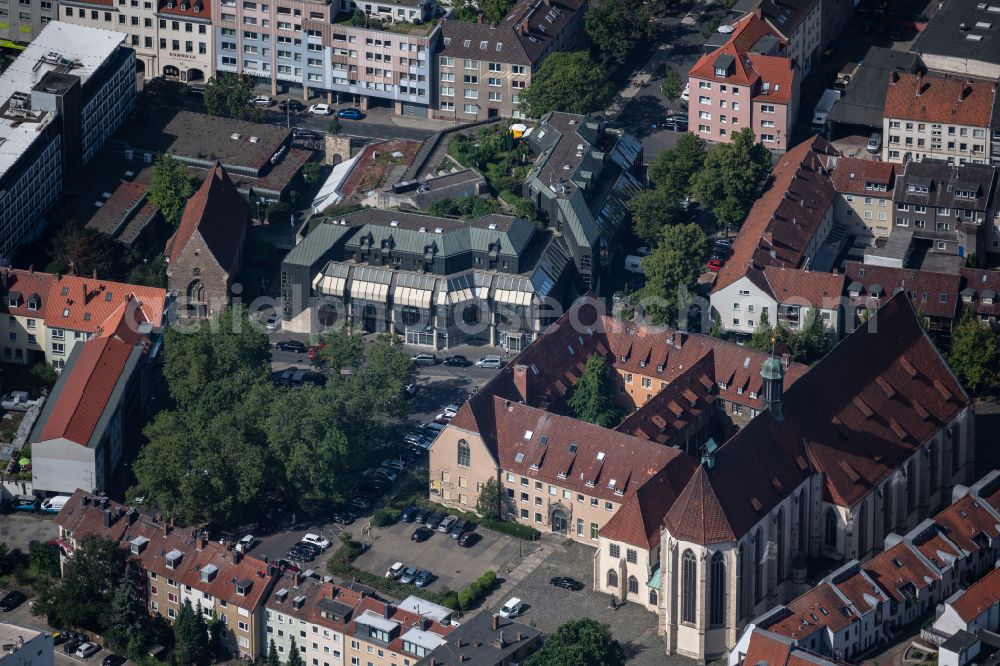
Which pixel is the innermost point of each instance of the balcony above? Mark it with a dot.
(789, 314)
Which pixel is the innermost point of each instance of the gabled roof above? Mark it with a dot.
(822, 607)
(851, 174)
(790, 285)
(899, 570)
(787, 216)
(767, 647)
(698, 515)
(970, 523)
(639, 520)
(923, 288)
(747, 32)
(939, 99)
(219, 213)
(85, 304)
(978, 597)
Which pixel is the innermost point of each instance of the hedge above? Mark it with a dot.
(513, 529)
(385, 517)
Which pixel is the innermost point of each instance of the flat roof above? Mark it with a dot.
(863, 101)
(963, 30)
(424, 608)
(60, 48)
(9, 633)
(370, 619)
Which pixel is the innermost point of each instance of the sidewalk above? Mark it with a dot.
(515, 576)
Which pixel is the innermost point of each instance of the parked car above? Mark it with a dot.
(458, 529)
(434, 520)
(59, 637)
(300, 554)
(395, 571)
(306, 134)
(262, 100)
(342, 517)
(360, 502)
(23, 503)
(458, 361)
(512, 608)
(408, 515)
(54, 504)
(293, 346)
(447, 524)
(397, 464)
(444, 417)
(311, 547)
(676, 123)
(424, 359)
(316, 539)
(387, 474)
(320, 109)
(875, 142)
(686, 95)
(113, 660)
(292, 105)
(421, 516)
(350, 114)
(87, 649)
(408, 575)
(714, 264)
(71, 645)
(423, 578)
(287, 565)
(566, 583)
(421, 534)
(12, 600)
(271, 323)
(247, 542)
(469, 539)
(494, 362)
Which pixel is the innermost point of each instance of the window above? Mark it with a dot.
(830, 529)
(464, 454)
(593, 531)
(614, 550)
(767, 108)
(633, 585)
(612, 578)
(632, 555)
(689, 581)
(705, 100)
(717, 592)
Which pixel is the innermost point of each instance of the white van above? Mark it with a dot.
(633, 264)
(489, 362)
(54, 504)
(512, 608)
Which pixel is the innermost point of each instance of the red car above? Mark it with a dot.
(314, 350)
(714, 265)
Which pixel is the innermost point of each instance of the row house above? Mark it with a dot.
(798, 23)
(483, 68)
(334, 625)
(863, 604)
(171, 38)
(788, 485)
(935, 295)
(172, 567)
(751, 81)
(49, 314)
(486, 640)
(757, 645)
(938, 117)
(948, 209)
(864, 196)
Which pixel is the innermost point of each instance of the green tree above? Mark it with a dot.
(974, 354)
(593, 395)
(128, 625)
(673, 266)
(80, 250)
(334, 126)
(570, 82)
(615, 26)
(294, 656)
(813, 342)
(732, 177)
(651, 211)
(229, 95)
(675, 169)
(494, 11)
(339, 349)
(272, 655)
(764, 336)
(83, 596)
(151, 273)
(583, 642)
(672, 85)
(170, 187)
(311, 172)
(44, 559)
(717, 330)
(488, 504)
(191, 645)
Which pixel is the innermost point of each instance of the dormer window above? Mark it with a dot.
(659, 368)
(722, 385)
(642, 364)
(243, 587)
(173, 558)
(624, 358)
(208, 573)
(719, 71)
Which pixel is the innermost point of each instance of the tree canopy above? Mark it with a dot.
(673, 266)
(974, 355)
(583, 642)
(492, 11)
(570, 82)
(808, 345)
(129, 624)
(671, 173)
(652, 210)
(170, 187)
(229, 95)
(732, 177)
(593, 394)
(616, 26)
(83, 597)
(234, 436)
(672, 86)
(191, 644)
(488, 504)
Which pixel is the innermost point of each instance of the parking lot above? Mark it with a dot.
(18, 530)
(454, 567)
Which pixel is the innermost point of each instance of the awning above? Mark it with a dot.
(513, 297)
(654, 580)
(369, 291)
(410, 296)
(461, 296)
(329, 285)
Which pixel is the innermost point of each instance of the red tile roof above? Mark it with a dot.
(747, 31)
(787, 215)
(979, 597)
(794, 285)
(698, 515)
(969, 523)
(897, 568)
(819, 608)
(219, 214)
(939, 99)
(923, 288)
(937, 548)
(859, 589)
(986, 285)
(772, 649)
(84, 304)
(851, 174)
(194, 9)
(85, 389)
(26, 284)
(405, 619)
(639, 520)
(778, 74)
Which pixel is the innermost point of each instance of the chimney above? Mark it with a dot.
(238, 557)
(95, 273)
(387, 611)
(133, 516)
(521, 380)
(894, 78)
(495, 622)
(85, 292)
(200, 542)
(297, 579)
(166, 528)
(31, 268)
(107, 518)
(524, 27)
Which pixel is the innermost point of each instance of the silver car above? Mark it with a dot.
(447, 524)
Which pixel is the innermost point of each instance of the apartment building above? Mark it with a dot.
(952, 210)
(49, 314)
(67, 92)
(864, 196)
(934, 294)
(174, 566)
(938, 117)
(798, 23)
(750, 81)
(171, 38)
(486, 639)
(961, 40)
(25, 646)
(483, 68)
(25, 20)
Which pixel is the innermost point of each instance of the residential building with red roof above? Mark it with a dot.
(173, 566)
(870, 439)
(864, 196)
(751, 81)
(936, 116)
(760, 646)
(206, 251)
(973, 609)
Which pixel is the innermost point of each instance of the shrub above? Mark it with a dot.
(278, 212)
(512, 529)
(385, 517)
